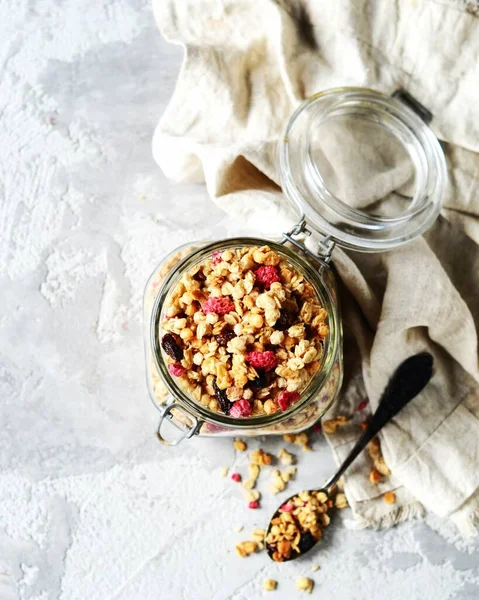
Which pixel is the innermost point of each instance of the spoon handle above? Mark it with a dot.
(409, 379)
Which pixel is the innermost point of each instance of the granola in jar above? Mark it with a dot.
(243, 332)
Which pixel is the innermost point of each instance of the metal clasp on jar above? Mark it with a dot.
(186, 430)
(325, 243)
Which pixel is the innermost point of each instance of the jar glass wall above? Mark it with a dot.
(319, 393)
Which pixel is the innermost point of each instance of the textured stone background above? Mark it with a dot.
(91, 506)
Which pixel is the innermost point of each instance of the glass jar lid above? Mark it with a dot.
(363, 168)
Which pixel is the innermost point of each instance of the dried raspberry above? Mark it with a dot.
(176, 369)
(267, 276)
(170, 345)
(253, 504)
(220, 306)
(241, 408)
(262, 360)
(317, 427)
(285, 399)
(216, 257)
(236, 477)
(362, 405)
(288, 507)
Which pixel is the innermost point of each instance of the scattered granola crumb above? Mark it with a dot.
(315, 568)
(270, 585)
(246, 548)
(261, 458)
(341, 501)
(239, 528)
(240, 445)
(331, 425)
(390, 498)
(252, 495)
(305, 584)
(253, 471)
(374, 448)
(224, 471)
(285, 457)
(278, 484)
(299, 439)
(381, 466)
(249, 484)
(375, 477)
(258, 535)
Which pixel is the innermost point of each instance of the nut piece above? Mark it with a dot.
(375, 477)
(239, 528)
(315, 568)
(285, 457)
(240, 445)
(269, 585)
(249, 484)
(390, 498)
(305, 584)
(246, 548)
(224, 471)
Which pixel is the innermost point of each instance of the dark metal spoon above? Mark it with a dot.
(409, 379)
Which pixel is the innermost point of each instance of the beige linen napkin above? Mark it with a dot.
(247, 66)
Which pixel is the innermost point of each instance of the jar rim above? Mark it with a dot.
(349, 227)
(331, 349)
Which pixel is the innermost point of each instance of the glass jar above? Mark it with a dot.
(360, 169)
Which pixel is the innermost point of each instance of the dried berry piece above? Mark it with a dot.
(306, 542)
(267, 275)
(362, 405)
(220, 306)
(285, 320)
(216, 257)
(261, 381)
(225, 336)
(176, 369)
(285, 399)
(222, 398)
(170, 345)
(236, 477)
(199, 276)
(262, 360)
(253, 504)
(241, 408)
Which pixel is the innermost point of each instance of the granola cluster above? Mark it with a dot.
(243, 332)
(299, 525)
